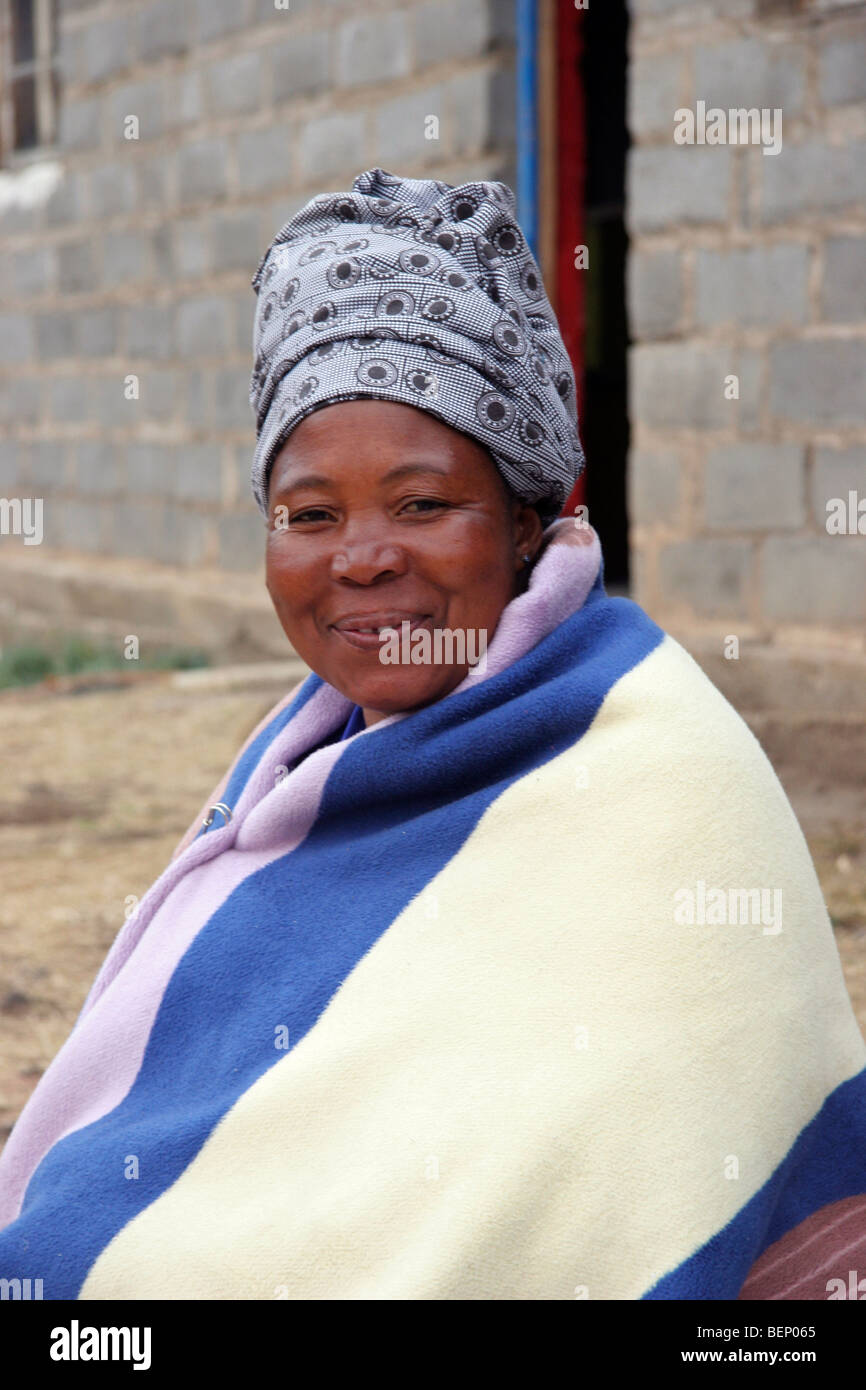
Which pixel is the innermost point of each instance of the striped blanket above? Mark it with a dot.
(528, 994)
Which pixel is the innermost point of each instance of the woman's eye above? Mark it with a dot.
(314, 513)
(426, 502)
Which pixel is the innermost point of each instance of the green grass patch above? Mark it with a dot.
(27, 663)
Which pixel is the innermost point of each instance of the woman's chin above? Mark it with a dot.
(398, 690)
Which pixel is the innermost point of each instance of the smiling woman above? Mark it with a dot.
(390, 516)
(415, 1011)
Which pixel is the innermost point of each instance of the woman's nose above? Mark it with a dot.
(365, 561)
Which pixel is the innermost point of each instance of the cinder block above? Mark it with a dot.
(80, 124)
(76, 269)
(108, 48)
(235, 85)
(16, 338)
(20, 399)
(331, 145)
(202, 326)
(68, 399)
(843, 294)
(751, 73)
(99, 467)
(236, 241)
(198, 473)
(242, 541)
(265, 156)
(197, 391)
(159, 394)
(814, 178)
(201, 170)
(445, 30)
(301, 66)
(12, 464)
(150, 470)
(184, 103)
(143, 100)
(231, 404)
(468, 100)
(46, 469)
(753, 285)
(401, 123)
(96, 332)
(125, 259)
(656, 89)
(155, 181)
(150, 330)
(750, 404)
(191, 247)
(678, 185)
(755, 487)
(655, 292)
(31, 272)
(842, 70)
(109, 403)
(372, 48)
(218, 17)
(654, 479)
(244, 311)
(809, 579)
(835, 474)
(112, 189)
(710, 576)
(55, 334)
(819, 382)
(679, 385)
(163, 29)
(64, 205)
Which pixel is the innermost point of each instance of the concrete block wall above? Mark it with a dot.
(748, 265)
(132, 258)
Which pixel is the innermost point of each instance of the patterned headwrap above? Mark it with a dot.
(415, 291)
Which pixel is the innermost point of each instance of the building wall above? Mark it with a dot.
(137, 262)
(753, 265)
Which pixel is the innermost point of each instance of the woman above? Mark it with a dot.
(495, 971)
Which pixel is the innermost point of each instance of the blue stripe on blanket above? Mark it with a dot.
(404, 802)
(829, 1168)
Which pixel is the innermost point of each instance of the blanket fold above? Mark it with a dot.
(528, 994)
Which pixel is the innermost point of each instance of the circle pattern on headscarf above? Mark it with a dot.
(396, 302)
(317, 252)
(438, 309)
(343, 274)
(495, 411)
(377, 372)
(425, 383)
(509, 338)
(418, 262)
(428, 257)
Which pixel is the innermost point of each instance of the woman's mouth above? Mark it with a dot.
(368, 633)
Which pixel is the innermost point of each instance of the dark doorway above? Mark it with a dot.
(605, 427)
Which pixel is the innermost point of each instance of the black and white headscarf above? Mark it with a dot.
(415, 291)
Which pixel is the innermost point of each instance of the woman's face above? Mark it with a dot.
(379, 512)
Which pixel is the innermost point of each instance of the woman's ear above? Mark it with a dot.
(528, 529)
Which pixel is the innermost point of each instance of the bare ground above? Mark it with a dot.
(100, 785)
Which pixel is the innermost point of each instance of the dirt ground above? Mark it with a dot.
(100, 785)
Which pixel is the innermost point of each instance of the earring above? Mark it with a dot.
(527, 559)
